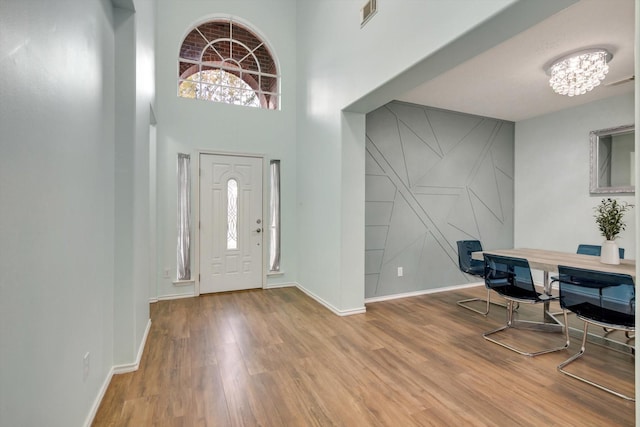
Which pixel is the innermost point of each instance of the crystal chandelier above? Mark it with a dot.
(579, 72)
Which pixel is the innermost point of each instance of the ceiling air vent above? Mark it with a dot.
(368, 10)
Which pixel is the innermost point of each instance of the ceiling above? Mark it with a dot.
(509, 81)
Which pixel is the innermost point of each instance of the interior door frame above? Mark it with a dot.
(265, 211)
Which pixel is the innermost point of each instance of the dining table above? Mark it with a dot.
(548, 261)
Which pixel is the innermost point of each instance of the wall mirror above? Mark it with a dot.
(613, 160)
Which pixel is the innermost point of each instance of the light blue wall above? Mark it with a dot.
(433, 177)
(134, 68)
(56, 208)
(363, 69)
(124, 194)
(67, 202)
(143, 212)
(186, 125)
(74, 202)
(552, 176)
(323, 223)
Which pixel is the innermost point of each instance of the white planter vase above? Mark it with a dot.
(609, 253)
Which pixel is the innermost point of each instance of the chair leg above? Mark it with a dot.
(611, 343)
(462, 303)
(583, 379)
(512, 324)
(627, 334)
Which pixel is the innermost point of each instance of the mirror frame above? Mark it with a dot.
(594, 137)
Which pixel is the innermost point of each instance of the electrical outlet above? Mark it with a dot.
(86, 364)
(167, 273)
(400, 272)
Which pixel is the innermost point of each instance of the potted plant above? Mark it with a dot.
(609, 217)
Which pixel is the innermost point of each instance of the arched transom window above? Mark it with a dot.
(224, 61)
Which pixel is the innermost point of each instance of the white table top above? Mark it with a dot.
(541, 259)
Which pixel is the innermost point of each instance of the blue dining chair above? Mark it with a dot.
(598, 298)
(593, 250)
(511, 278)
(473, 267)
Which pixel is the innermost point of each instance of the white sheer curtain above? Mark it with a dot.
(274, 224)
(184, 217)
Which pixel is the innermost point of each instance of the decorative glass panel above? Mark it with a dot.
(274, 225)
(219, 86)
(232, 214)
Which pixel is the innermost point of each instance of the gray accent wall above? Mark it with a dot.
(433, 177)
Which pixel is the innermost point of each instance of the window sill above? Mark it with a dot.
(184, 282)
(275, 273)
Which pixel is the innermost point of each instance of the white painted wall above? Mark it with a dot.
(186, 125)
(552, 177)
(56, 208)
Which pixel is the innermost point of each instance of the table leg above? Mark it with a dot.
(545, 282)
(548, 318)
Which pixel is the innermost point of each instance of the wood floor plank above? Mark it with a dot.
(278, 358)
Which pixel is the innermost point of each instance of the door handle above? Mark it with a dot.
(258, 230)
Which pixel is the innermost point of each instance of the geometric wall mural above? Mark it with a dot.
(432, 177)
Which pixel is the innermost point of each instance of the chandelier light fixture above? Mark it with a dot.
(580, 72)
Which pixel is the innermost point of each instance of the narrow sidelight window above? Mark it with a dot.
(184, 217)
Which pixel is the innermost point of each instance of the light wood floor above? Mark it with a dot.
(278, 358)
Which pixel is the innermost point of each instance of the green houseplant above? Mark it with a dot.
(609, 217)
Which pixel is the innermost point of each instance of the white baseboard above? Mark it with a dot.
(98, 400)
(422, 292)
(349, 312)
(130, 367)
(170, 297)
(352, 311)
(330, 306)
(117, 369)
(335, 310)
(281, 285)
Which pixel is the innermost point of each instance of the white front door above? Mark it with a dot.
(230, 223)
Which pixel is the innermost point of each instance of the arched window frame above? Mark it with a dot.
(257, 67)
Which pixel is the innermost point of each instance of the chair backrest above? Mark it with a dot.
(595, 250)
(510, 277)
(465, 262)
(607, 298)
